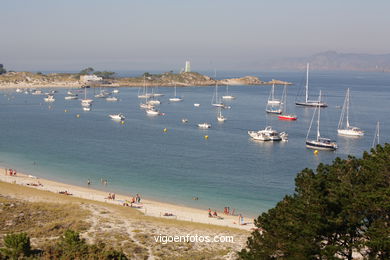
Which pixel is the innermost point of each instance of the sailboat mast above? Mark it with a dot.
(318, 120)
(307, 83)
(348, 108)
(273, 92)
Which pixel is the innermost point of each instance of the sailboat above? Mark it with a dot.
(175, 98)
(273, 105)
(227, 96)
(347, 130)
(376, 136)
(86, 102)
(320, 143)
(220, 117)
(285, 115)
(307, 102)
(144, 93)
(216, 102)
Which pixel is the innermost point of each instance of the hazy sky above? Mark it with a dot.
(151, 34)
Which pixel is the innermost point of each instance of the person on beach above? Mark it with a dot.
(89, 182)
(138, 198)
(113, 196)
(210, 215)
(215, 214)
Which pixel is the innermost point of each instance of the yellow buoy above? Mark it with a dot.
(122, 122)
(65, 110)
(165, 130)
(315, 152)
(206, 137)
(77, 115)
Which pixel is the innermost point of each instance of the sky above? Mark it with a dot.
(68, 35)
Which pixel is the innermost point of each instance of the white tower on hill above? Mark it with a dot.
(188, 67)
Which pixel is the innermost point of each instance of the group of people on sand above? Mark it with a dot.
(11, 172)
(133, 200)
(213, 214)
(111, 196)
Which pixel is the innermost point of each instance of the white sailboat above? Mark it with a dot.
(204, 125)
(227, 95)
(347, 129)
(273, 104)
(319, 142)
(144, 93)
(175, 98)
(216, 101)
(86, 102)
(307, 102)
(220, 117)
(376, 136)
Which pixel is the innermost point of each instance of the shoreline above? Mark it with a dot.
(147, 207)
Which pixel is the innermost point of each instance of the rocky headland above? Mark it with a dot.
(69, 80)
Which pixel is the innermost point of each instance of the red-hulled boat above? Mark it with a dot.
(284, 115)
(287, 117)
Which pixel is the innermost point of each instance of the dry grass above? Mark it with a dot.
(45, 215)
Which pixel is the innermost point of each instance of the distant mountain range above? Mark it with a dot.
(332, 60)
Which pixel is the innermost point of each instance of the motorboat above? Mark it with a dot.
(152, 112)
(49, 98)
(268, 134)
(119, 116)
(112, 99)
(204, 125)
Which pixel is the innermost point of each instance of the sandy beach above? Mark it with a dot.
(147, 207)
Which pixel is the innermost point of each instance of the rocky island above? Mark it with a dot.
(74, 80)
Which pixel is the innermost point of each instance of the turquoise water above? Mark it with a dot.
(228, 169)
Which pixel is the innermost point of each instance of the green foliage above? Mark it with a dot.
(16, 246)
(340, 209)
(86, 71)
(105, 74)
(71, 246)
(146, 75)
(2, 69)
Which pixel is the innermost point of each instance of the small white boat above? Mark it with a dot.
(184, 120)
(71, 97)
(152, 112)
(70, 93)
(115, 91)
(111, 99)
(154, 102)
(49, 98)
(146, 106)
(18, 90)
(175, 99)
(102, 94)
(119, 116)
(204, 125)
(196, 105)
(87, 108)
(36, 92)
(86, 102)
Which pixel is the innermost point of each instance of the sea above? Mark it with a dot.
(61, 142)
